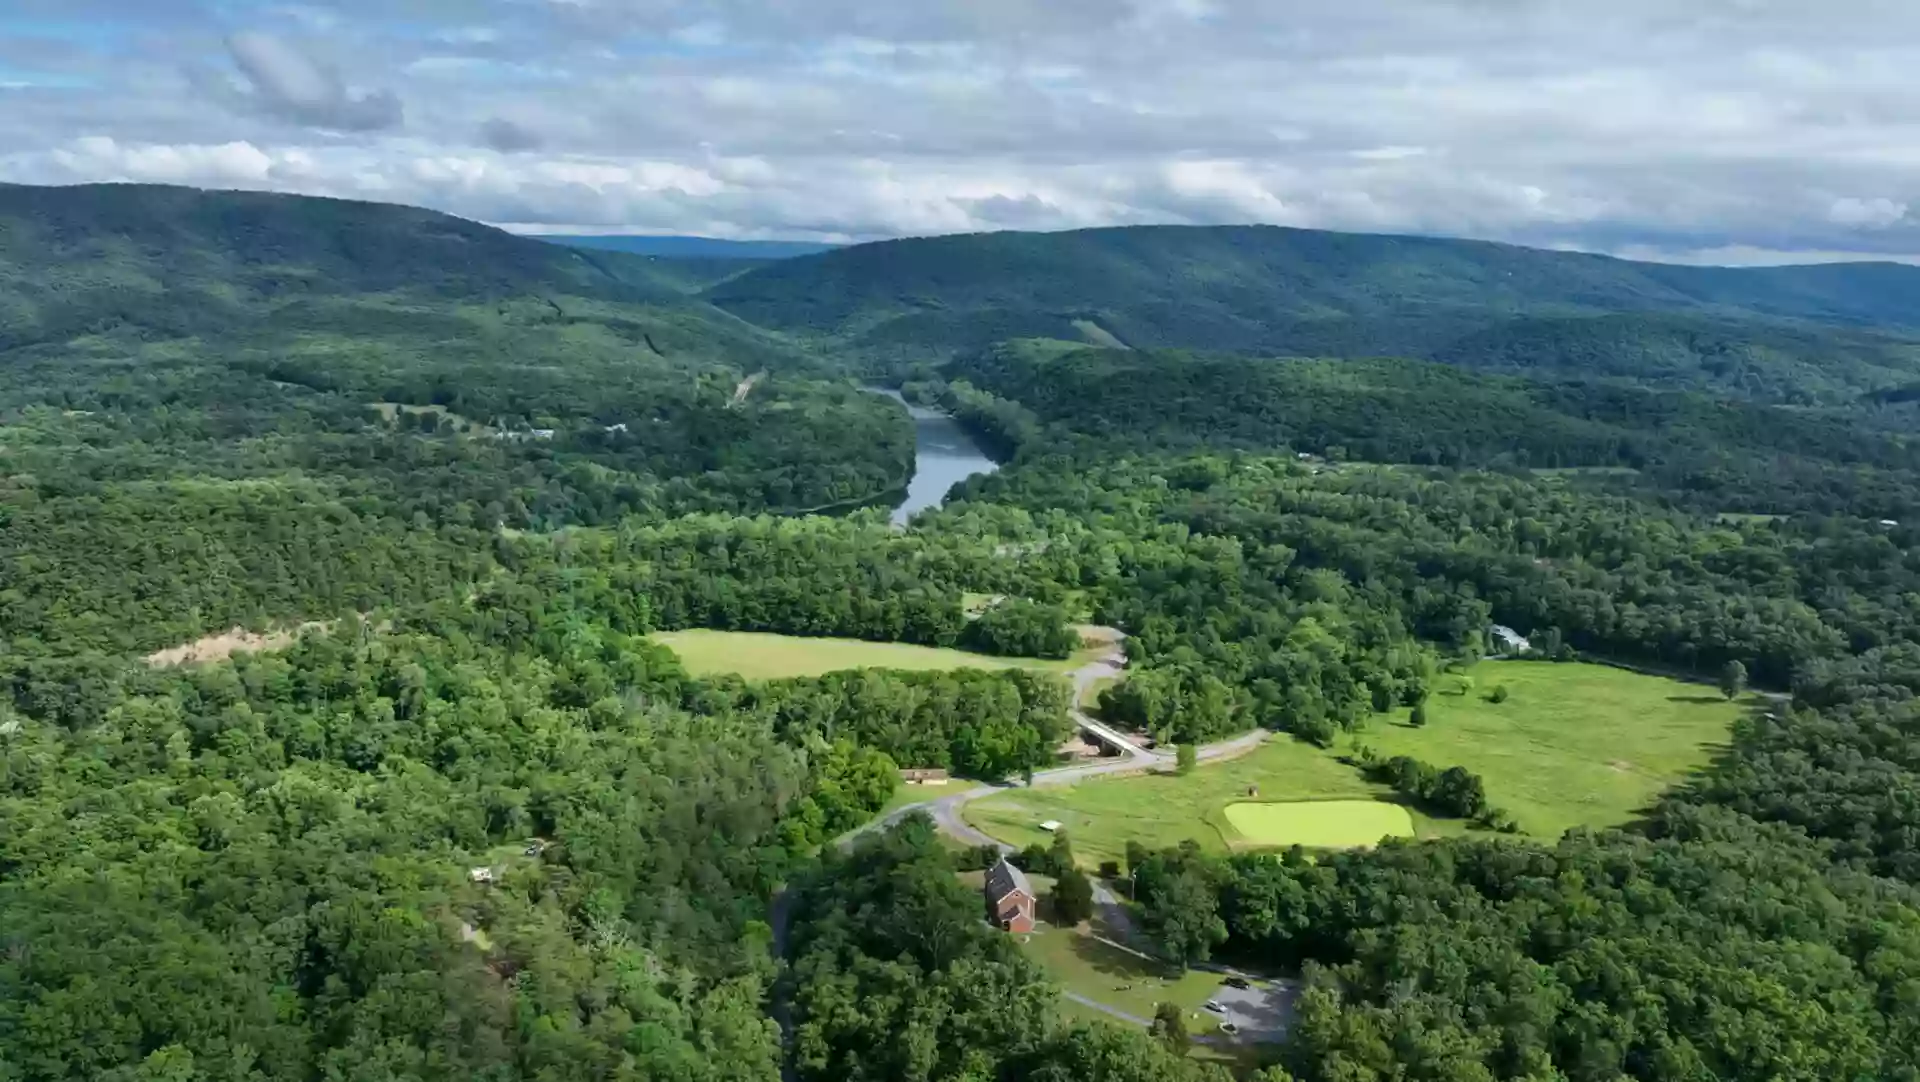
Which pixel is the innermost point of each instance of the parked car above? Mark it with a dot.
(1214, 1006)
(1236, 982)
(1229, 1029)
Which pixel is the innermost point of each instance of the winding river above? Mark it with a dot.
(944, 456)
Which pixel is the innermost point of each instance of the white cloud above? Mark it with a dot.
(1714, 126)
(284, 80)
(99, 157)
(1871, 213)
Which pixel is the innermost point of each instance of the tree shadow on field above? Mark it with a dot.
(1122, 967)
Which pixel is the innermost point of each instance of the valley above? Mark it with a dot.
(617, 645)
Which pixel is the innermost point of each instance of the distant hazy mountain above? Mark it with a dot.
(1270, 290)
(694, 247)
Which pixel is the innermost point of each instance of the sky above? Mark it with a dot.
(1728, 131)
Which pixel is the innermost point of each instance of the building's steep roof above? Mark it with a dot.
(1003, 879)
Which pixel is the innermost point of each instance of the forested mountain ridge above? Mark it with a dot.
(670, 246)
(281, 244)
(1274, 290)
(158, 262)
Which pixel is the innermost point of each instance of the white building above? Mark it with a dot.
(1509, 638)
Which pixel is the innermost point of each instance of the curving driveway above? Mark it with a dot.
(945, 810)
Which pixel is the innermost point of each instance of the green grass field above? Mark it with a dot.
(1320, 824)
(1574, 744)
(758, 656)
(1119, 979)
(1161, 810)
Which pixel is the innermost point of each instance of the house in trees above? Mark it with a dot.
(924, 776)
(1510, 640)
(1010, 898)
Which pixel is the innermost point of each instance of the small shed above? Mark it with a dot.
(480, 875)
(1051, 826)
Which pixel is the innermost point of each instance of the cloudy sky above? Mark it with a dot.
(1710, 130)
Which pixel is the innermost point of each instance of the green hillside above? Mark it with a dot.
(1263, 289)
(172, 357)
(1710, 451)
(157, 262)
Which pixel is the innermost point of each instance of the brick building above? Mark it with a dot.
(1010, 898)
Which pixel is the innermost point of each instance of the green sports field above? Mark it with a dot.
(1320, 824)
(758, 656)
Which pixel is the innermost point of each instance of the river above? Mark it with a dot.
(944, 456)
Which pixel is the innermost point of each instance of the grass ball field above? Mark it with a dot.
(1320, 824)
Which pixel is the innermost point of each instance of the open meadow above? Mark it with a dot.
(758, 656)
(1158, 810)
(1573, 744)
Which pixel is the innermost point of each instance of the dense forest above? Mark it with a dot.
(470, 822)
(1708, 453)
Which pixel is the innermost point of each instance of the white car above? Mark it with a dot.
(1214, 1006)
(1229, 1029)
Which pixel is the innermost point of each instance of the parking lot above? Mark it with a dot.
(1263, 1012)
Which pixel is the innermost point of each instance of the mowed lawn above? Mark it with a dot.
(1160, 810)
(1117, 978)
(759, 656)
(1574, 744)
(1320, 824)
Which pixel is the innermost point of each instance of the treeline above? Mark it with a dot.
(1452, 791)
(978, 724)
(1444, 555)
(1001, 425)
(1847, 775)
(847, 578)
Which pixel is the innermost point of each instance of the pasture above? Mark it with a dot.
(760, 656)
(1573, 744)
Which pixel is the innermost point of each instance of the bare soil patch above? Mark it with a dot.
(225, 644)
